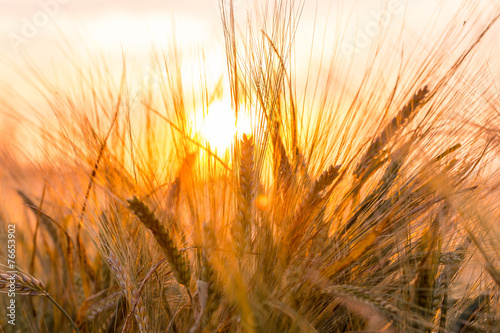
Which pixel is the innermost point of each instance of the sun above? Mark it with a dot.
(218, 126)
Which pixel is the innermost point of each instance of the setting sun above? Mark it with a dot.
(219, 126)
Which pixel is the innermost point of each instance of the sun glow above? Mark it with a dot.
(219, 126)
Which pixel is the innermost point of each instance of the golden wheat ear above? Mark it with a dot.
(209, 275)
(175, 259)
(242, 228)
(307, 210)
(25, 284)
(400, 120)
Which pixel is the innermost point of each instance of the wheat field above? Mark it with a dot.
(347, 198)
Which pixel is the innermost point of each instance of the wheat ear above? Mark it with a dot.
(242, 230)
(25, 284)
(313, 195)
(176, 261)
(363, 295)
(390, 129)
(209, 274)
(307, 208)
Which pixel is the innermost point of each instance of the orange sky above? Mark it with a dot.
(133, 25)
(35, 27)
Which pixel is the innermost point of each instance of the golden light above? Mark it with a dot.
(262, 202)
(219, 126)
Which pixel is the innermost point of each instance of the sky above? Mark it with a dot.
(36, 25)
(57, 34)
(37, 29)
(33, 24)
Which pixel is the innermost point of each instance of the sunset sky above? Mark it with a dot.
(59, 37)
(35, 25)
(36, 28)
